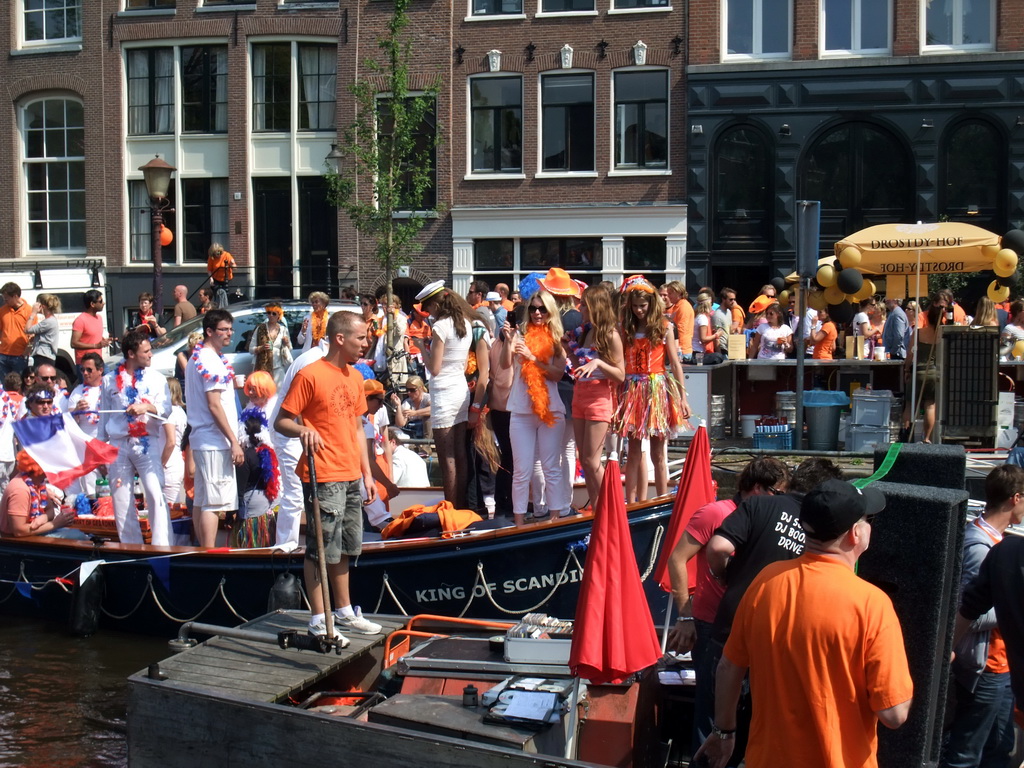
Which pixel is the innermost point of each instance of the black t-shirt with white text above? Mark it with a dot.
(763, 529)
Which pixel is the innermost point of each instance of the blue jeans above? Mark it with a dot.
(11, 364)
(704, 662)
(982, 731)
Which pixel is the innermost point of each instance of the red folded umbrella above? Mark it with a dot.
(613, 635)
(696, 488)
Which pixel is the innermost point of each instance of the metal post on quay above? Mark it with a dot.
(157, 175)
(808, 229)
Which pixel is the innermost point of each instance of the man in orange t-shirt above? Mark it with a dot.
(328, 395)
(681, 314)
(14, 315)
(824, 648)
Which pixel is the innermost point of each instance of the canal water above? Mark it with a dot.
(63, 699)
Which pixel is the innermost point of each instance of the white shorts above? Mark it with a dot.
(215, 488)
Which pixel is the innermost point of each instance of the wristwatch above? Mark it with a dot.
(723, 735)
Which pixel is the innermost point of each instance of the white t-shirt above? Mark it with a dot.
(699, 321)
(408, 469)
(206, 435)
(769, 349)
(858, 320)
(89, 422)
(456, 350)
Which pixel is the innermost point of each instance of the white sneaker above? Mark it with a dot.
(357, 623)
(319, 629)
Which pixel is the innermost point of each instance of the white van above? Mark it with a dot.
(69, 279)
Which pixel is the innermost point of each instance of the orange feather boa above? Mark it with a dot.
(542, 344)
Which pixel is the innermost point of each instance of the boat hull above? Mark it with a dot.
(489, 574)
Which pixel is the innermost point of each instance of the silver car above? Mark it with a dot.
(247, 315)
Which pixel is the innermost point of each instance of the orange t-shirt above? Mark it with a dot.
(738, 315)
(824, 349)
(331, 401)
(825, 652)
(13, 339)
(221, 268)
(682, 316)
(997, 660)
(508, 305)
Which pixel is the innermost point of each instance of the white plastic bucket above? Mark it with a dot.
(747, 425)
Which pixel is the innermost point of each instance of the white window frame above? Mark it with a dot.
(541, 173)
(639, 171)
(645, 9)
(757, 35)
(57, 44)
(542, 14)
(856, 28)
(470, 16)
(295, 43)
(958, 19)
(472, 175)
(24, 162)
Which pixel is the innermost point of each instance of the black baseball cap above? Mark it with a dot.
(831, 509)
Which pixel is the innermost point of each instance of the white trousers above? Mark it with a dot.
(174, 478)
(129, 462)
(530, 438)
(290, 504)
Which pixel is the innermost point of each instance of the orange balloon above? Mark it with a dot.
(166, 236)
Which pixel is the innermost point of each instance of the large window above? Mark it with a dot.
(135, 5)
(53, 133)
(959, 23)
(204, 89)
(641, 120)
(497, 7)
(573, 254)
(567, 6)
(743, 169)
(52, 21)
(620, 5)
(421, 153)
(973, 175)
(201, 217)
(150, 91)
(856, 26)
(497, 116)
(316, 98)
(757, 28)
(567, 113)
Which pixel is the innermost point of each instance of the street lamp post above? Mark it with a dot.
(157, 175)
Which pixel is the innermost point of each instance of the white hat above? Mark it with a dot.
(492, 296)
(430, 289)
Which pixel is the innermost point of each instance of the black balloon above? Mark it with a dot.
(850, 281)
(778, 284)
(841, 313)
(1014, 240)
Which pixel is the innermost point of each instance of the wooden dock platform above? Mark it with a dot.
(232, 702)
(254, 671)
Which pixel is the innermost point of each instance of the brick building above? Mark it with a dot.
(558, 123)
(884, 111)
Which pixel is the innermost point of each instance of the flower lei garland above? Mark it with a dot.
(319, 325)
(40, 497)
(542, 344)
(206, 374)
(136, 428)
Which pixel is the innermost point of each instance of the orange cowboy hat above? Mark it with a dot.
(761, 303)
(558, 282)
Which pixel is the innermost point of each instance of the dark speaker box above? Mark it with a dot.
(941, 466)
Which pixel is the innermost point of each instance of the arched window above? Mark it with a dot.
(742, 189)
(53, 164)
(862, 174)
(973, 173)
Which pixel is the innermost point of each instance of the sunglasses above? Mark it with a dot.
(43, 402)
(48, 378)
(273, 314)
(535, 308)
(776, 491)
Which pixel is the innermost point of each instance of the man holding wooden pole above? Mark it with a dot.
(328, 396)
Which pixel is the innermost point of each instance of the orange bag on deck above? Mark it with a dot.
(451, 519)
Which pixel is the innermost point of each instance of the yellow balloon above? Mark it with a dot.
(850, 257)
(1005, 263)
(990, 251)
(835, 295)
(784, 298)
(998, 293)
(826, 276)
(866, 290)
(1018, 349)
(816, 300)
